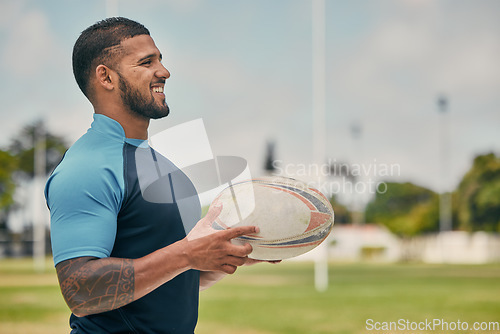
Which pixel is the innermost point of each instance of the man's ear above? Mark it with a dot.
(105, 77)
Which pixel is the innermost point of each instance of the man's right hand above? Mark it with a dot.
(211, 250)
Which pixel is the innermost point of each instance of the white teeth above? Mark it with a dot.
(158, 89)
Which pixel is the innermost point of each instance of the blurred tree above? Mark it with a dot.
(23, 147)
(342, 214)
(406, 209)
(478, 195)
(8, 165)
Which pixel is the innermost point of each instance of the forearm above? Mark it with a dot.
(209, 278)
(159, 267)
(92, 285)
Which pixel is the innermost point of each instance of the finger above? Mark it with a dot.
(250, 262)
(213, 212)
(235, 232)
(238, 247)
(228, 269)
(235, 261)
(240, 250)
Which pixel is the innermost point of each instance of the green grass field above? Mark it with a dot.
(281, 298)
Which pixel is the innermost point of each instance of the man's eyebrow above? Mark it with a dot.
(152, 55)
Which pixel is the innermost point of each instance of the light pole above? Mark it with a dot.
(445, 218)
(357, 199)
(38, 209)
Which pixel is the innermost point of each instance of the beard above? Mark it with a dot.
(139, 104)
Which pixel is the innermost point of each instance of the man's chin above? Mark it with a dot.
(160, 115)
(162, 112)
(155, 113)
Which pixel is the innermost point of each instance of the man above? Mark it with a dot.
(125, 264)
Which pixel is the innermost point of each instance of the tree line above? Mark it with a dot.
(407, 209)
(17, 162)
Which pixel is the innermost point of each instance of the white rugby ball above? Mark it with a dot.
(293, 218)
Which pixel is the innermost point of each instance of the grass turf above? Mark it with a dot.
(281, 298)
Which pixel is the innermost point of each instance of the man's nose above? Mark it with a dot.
(163, 72)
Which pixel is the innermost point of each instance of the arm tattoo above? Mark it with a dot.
(93, 286)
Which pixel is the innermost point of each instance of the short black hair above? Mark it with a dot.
(98, 45)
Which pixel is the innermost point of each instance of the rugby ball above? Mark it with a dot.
(292, 218)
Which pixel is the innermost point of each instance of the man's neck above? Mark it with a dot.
(135, 126)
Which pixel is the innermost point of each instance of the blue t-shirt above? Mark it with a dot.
(111, 196)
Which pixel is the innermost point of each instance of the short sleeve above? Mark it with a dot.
(84, 199)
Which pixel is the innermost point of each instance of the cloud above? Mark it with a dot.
(428, 48)
(8, 10)
(30, 46)
(471, 66)
(391, 76)
(184, 6)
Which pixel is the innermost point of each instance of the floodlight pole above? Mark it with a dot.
(319, 124)
(37, 204)
(357, 199)
(445, 208)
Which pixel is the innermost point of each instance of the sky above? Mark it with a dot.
(245, 68)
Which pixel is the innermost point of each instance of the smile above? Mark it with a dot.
(158, 89)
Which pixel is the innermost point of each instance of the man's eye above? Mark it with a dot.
(147, 62)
